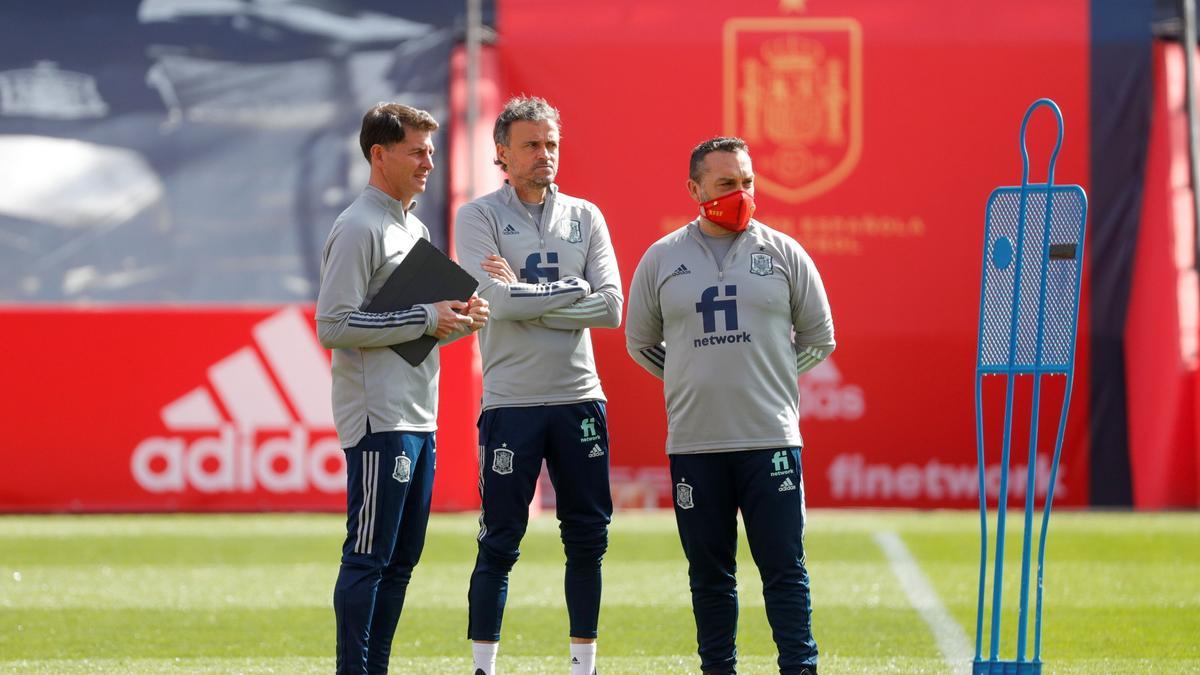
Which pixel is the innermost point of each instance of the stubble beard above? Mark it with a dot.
(539, 182)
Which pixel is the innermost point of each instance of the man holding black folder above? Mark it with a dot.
(385, 407)
(541, 396)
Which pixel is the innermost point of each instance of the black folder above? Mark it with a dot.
(425, 275)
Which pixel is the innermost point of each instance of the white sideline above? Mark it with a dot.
(952, 642)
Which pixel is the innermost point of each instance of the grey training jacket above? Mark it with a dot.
(370, 381)
(729, 338)
(536, 347)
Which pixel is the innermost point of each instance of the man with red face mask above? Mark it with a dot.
(728, 312)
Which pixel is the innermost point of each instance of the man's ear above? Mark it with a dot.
(693, 189)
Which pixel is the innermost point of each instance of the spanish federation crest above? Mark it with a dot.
(793, 91)
(574, 235)
(403, 470)
(502, 461)
(761, 264)
(683, 496)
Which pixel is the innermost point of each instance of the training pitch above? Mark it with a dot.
(893, 592)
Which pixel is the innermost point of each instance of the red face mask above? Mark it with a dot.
(732, 212)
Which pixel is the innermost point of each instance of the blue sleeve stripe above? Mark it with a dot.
(407, 317)
(654, 357)
(410, 322)
(388, 317)
(544, 292)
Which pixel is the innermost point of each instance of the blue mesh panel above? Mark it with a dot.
(1062, 280)
(1060, 270)
(1002, 217)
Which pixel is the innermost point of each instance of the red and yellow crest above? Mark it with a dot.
(793, 92)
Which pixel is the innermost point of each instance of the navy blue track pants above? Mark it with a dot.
(766, 486)
(389, 483)
(573, 441)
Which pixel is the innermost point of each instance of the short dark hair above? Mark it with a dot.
(717, 144)
(522, 108)
(385, 123)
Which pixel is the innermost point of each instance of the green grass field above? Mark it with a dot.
(251, 593)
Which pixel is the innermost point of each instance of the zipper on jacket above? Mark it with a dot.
(697, 234)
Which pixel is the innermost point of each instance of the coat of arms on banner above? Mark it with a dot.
(403, 470)
(761, 264)
(683, 496)
(502, 461)
(574, 234)
(793, 92)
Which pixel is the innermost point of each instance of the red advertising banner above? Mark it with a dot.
(1161, 348)
(198, 409)
(877, 131)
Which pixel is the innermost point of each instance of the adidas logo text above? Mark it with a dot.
(254, 440)
(597, 451)
(509, 229)
(787, 485)
(682, 269)
(825, 396)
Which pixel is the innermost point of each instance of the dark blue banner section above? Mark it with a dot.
(198, 151)
(1121, 88)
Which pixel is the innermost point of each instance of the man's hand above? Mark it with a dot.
(498, 269)
(477, 309)
(449, 318)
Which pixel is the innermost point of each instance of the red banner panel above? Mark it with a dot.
(1160, 334)
(877, 131)
(197, 410)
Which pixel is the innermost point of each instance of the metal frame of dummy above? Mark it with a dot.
(998, 255)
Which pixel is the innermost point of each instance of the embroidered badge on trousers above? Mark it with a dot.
(502, 460)
(683, 496)
(403, 470)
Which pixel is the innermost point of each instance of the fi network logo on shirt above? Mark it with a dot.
(711, 304)
(535, 272)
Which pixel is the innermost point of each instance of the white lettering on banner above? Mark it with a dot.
(235, 459)
(233, 462)
(823, 395)
(170, 451)
(851, 478)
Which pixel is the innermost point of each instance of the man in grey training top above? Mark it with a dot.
(546, 264)
(385, 409)
(728, 312)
